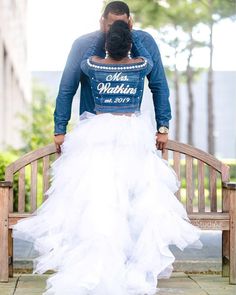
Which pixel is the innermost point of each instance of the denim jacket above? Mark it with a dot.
(73, 75)
(117, 88)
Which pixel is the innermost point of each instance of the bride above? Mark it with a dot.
(111, 213)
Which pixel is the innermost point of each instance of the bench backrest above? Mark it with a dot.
(200, 173)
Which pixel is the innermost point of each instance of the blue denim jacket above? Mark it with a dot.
(73, 75)
(117, 88)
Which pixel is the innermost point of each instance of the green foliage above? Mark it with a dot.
(38, 122)
(215, 10)
(182, 16)
(184, 13)
(37, 131)
(7, 158)
(179, 24)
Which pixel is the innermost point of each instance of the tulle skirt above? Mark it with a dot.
(111, 212)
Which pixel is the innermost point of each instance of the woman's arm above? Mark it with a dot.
(141, 51)
(97, 43)
(157, 81)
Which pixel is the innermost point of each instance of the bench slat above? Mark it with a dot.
(211, 224)
(189, 183)
(33, 187)
(45, 175)
(21, 190)
(194, 215)
(212, 190)
(211, 220)
(201, 190)
(215, 221)
(176, 158)
(9, 177)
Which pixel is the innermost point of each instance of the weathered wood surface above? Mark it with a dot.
(33, 187)
(189, 183)
(45, 174)
(200, 155)
(225, 236)
(201, 188)
(21, 190)
(28, 158)
(231, 187)
(4, 206)
(176, 166)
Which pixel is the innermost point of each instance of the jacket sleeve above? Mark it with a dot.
(157, 82)
(68, 86)
(70, 80)
(141, 51)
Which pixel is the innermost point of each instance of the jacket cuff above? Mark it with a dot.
(162, 123)
(59, 129)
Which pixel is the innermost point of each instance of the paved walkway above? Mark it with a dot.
(179, 284)
(192, 260)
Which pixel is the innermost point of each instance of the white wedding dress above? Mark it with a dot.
(111, 212)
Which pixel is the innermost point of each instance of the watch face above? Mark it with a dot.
(163, 129)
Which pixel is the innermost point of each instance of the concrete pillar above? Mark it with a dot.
(7, 106)
(3, 120)
(14, 82)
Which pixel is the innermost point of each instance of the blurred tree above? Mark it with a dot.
(186, 16)
(154, 13)
(179, 20)
(191, 16)
(174, 75)
(215, 11)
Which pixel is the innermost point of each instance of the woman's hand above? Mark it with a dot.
(161, 140)
(58, 140)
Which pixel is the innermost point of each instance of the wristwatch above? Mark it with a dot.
(163, 130)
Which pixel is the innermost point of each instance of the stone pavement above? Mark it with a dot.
(179, 284)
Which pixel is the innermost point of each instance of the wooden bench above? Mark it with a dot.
(206, 206)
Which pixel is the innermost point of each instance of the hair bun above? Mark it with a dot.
(118, 40)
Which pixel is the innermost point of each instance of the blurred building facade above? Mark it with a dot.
(14, 74)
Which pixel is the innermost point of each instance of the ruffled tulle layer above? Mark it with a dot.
(111, 213)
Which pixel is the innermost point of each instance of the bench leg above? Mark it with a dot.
(225, 253)
(10, 252)
(4, 197)
(232, 275)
